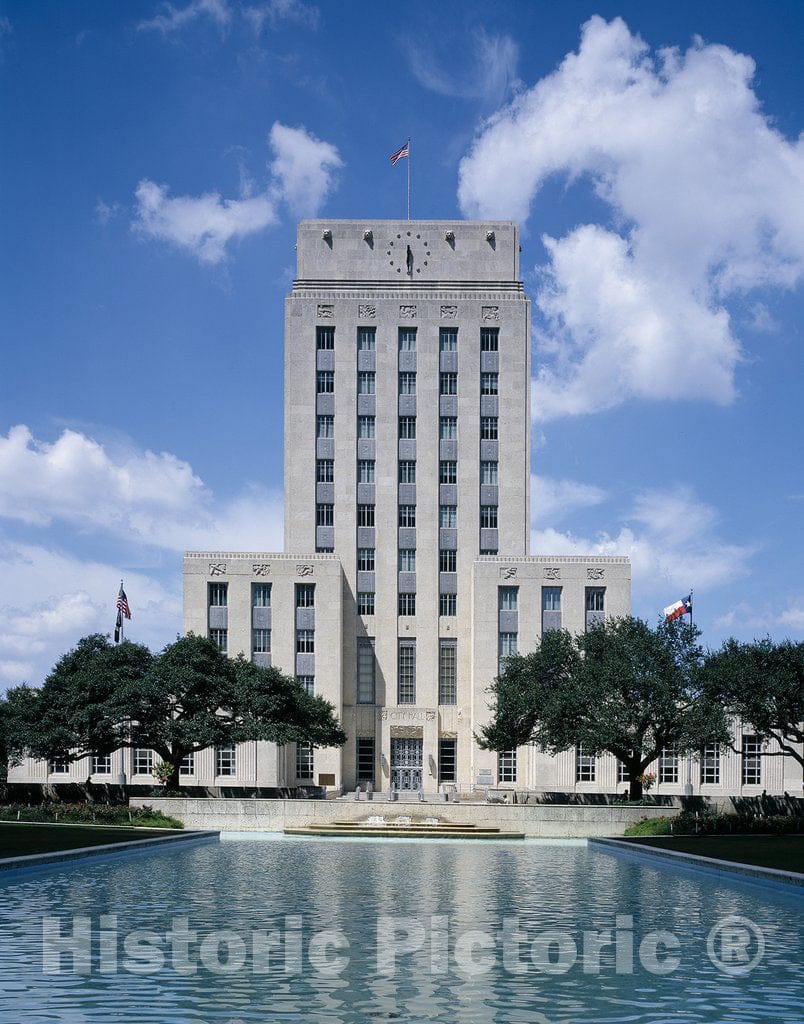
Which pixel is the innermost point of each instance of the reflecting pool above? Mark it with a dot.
(270, 929)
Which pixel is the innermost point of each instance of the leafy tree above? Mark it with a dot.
(100, 697)
(622, 687)
(762, 683)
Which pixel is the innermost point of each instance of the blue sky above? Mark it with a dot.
(155, 159)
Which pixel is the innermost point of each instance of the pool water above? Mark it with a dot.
(273, 929)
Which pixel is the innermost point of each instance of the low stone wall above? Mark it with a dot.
(535, 820)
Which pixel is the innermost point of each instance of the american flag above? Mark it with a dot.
(122, 603)
(401, 153)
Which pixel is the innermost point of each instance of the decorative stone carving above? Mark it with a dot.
(490, 312)
(217, 568)
(304, 569)
(595, 574)
(552, 572)
(407, 312)
(261, 568)
(509, 572)
(325, 312)
(366, 311)
(449, 312)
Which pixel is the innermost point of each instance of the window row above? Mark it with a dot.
(366, 469)
(447, 339)
(367, 382)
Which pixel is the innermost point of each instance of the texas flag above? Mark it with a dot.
(682, 607)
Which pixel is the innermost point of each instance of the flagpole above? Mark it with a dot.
(408, 177)
(122, 618)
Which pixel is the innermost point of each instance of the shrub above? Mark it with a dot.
(88, 814)
(689, 823)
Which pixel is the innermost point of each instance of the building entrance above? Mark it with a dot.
(406, 763)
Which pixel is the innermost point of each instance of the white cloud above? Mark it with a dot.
(175, 18)
(144, 497)
(58, 598)
(552, 499)
(303, 175)
(488, 74)
(704, 194)
(277, 11)
(303, 168)
(670, 536)
(749, 618)
(204, 224)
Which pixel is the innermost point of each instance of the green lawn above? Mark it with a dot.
(786, 853)
(18, 839)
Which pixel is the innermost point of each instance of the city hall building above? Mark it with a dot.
(406, 579)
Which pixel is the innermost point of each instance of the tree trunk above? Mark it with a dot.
(635, 786)
(172, 783)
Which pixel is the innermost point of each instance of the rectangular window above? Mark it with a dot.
(447, 560)
(489, 383)
(407, 515)
(447, 672)
(220, 637)
(406, 683)
(225, 761)
(324, 337)
(488, 517)
(307, 683)
(365, 427)
(187, 765)
(752, 761)
(365, 602)
(448, 339)
(508, 598)
(488, 428)
(668, 764)
(325, 382)
(595, 599)
(305, 595)
(217, 594)
(623, 775)
(508, 645)
(407, 383)
(365, 515)
(407, 471)
(365, 559)
(489, 339)
(366, 339)
(143, 761)
(449, 383)
(365, 759)
(407, 559)
(448, 517)
(261, 641)
(324, 515)
(102, 764)
(407, 339)
(305, 641)
(325, 426)
(447, 604)
(407, 427)
(551, 599)
(260, 595)
(407, 604)
(710, 765)
(366, 671)
(324, 549)
(58, 766)
(325, 471)
(488, 473)
(448, 428)
(366, 382)
(304, 762)
(506, 766)
(446, 760)
(585, 765)
(448, 471)
(365, 471)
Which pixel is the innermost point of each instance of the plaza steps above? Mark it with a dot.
(399, 829)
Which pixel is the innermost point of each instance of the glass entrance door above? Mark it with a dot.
(406, 763)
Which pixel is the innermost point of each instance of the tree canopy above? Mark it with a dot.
(762, 683)
(100, 697)
(622, 687)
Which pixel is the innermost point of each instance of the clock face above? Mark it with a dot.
(407, 253)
